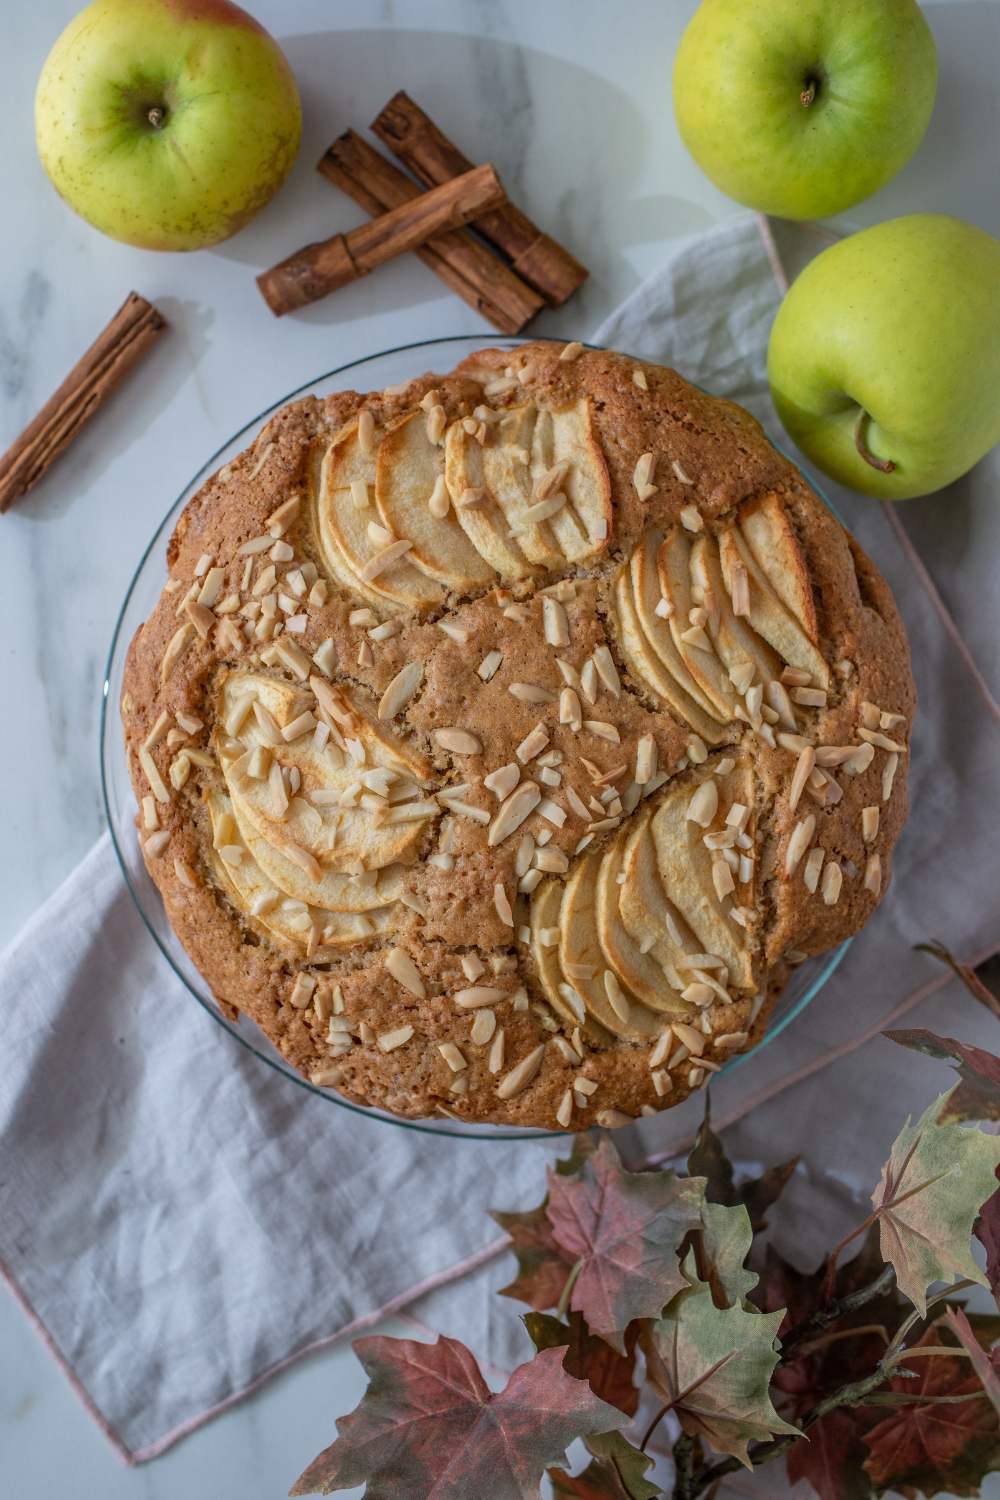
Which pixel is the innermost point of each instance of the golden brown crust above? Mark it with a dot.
(708, 454)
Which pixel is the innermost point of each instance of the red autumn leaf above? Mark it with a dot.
(589, 1358)
(830, 1458)
(975, 986)
(977, 1096)
(428, 1424)
(987, 1232)
(622, 1231)
(542, 1264)
(935, 1444)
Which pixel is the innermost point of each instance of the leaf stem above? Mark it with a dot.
(567, 1290)
(823, 1317)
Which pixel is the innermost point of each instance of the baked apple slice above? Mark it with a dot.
(354, 538)
(479, 511)
(647, 665)
(731, 635)
(691, 639)
(289, 920)
(651, 920)
(768, 615)
(638, 971)
(582, 527)
(685, 866)
(771, 538)
(546, 905)
(407, 471)
(583, 964)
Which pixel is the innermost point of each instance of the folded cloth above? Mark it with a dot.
(181, 1221)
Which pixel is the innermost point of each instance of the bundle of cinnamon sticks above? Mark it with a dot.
(507, 270)
(455, 216)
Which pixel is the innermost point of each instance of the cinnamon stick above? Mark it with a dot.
(316, 270)
(88, 385)
(432, 158)
(462, 262)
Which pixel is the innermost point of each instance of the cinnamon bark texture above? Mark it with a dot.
(116, 349)
(316, 270)
(462, 262)
(433, 158)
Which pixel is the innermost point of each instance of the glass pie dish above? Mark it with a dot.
(374, 372)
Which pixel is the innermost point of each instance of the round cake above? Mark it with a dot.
(502, 741)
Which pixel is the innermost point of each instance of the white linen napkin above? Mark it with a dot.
(180, 1220)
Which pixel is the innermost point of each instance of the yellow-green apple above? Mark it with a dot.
(166, 123)
(884, 359)
(802, 107)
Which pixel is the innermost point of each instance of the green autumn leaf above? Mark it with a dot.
(935, 1182)
(713, 1365)
(721, 1246)
(618, 1472)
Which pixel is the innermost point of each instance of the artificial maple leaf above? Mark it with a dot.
(982, 1362)
(589, 1358)
(721, 1245)
(849, 1347)
(933, 1444)
(618, 1472)
(708, 1159)
(832, 1456)
(935, 1182)
(622, 1230)
(713, 1366)
(429, 1424)
(987, 1232)
(975, 986)
(976, 1096)
(543, 1266)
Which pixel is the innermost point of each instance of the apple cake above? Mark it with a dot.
(502, 741)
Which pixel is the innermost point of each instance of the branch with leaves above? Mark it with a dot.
(660, 1313)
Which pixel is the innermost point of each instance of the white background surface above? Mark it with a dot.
(571, 100)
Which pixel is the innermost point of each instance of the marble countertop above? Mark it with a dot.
(571, 100)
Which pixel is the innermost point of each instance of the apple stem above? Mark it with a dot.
(156, 116)
(808, 94)
(884, 465)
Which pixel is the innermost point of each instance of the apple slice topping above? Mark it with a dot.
(341, 804)
(295, 923)
(561, 993)
(638, 971)
(359, 550)
(687, 867)
(409, 491)
(776, 551)
(766, 613)
(688, 621)
(479, 512)
(582, 960)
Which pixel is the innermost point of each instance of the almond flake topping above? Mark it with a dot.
(530, 692)
(502, 903)
(704, 804)
(555, 622)
(489, 665)
(798, 843)
(388, 1041)
(571, 351)
(384, 559)
(639, 379)
(606, 670)
(832, 880)
(402, 968)
(873, 874)
(519, 1077)
(532, 744)
(603, 730)
(869, 823)
(803, 770)
(512, 813)
(690, 516)
(889, 776)
(400, 690)
(458, 741)
(503, 781)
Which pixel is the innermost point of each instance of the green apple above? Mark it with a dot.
(166, 123)
(884, 360)
(800, 108)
